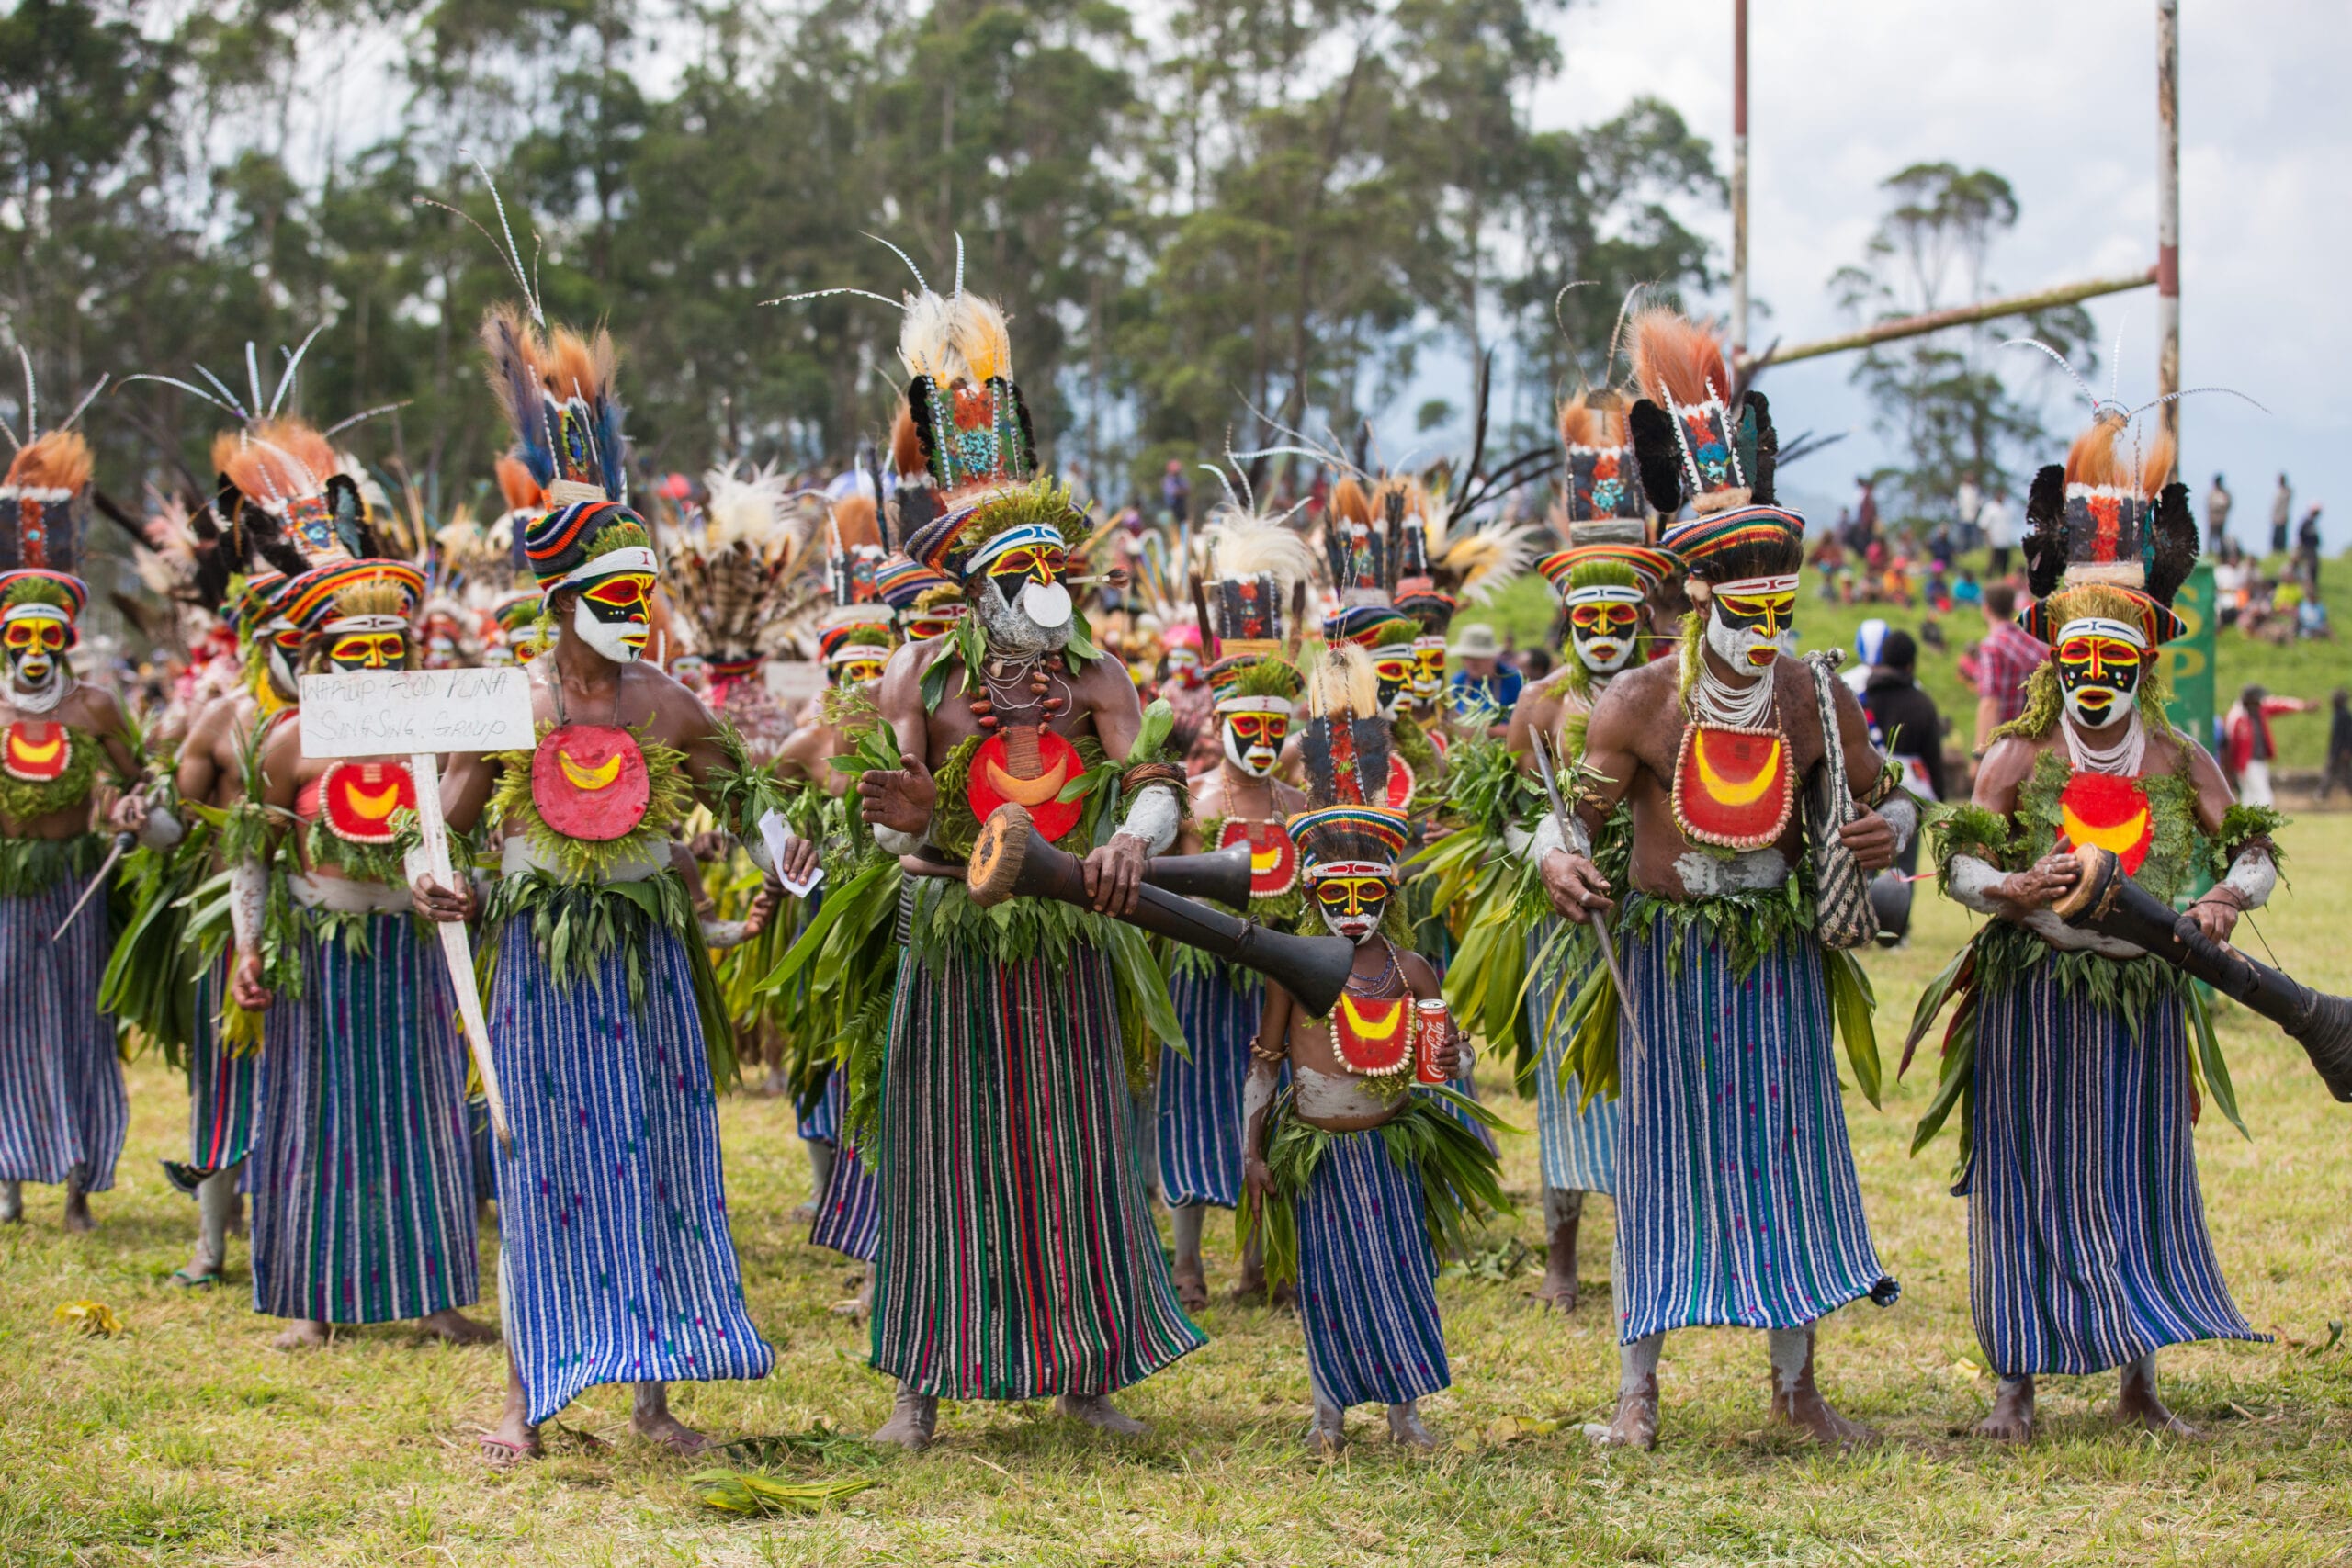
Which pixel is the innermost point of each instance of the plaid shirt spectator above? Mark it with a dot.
(2006, 657)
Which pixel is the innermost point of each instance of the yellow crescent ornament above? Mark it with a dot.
(34, 754)
(374, 807)
(590, 778)
(1725, 794)
(1028, 791)
(2116, 838)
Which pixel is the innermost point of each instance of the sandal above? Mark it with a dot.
(187, 1282)
(501, 1454)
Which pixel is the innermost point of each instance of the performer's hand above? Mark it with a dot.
(444, 904)
(900, 800)
(1575, 885)
(245, 983)
(2041, 884)
(800, 858)
(1871, 837)
(763, 910)
(710, 844)
(1257, 1177)
(2216, 914)
(128, 814)
(1449, 1055)
(1113, 873)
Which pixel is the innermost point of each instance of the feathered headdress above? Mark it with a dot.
(731, 565)
(1692, 447)
(1600, 493)
(1345, 749)
(2111, 539)
(1259, 568)
(557, 389)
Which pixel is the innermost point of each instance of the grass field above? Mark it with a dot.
(188, 1440)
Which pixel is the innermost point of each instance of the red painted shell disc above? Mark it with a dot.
(1375, 1034)
(1400, 783)
(993, 782)
(1274, 859)
(360, 800)
(2109, 811)
(35, 752)
(589, 782)
(1733, 787)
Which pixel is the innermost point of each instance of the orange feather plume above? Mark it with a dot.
(276, 460)
(1584, 422)
(515, 483)
(854, 515)
(1349, 501)
(2101, 457)
(1674, 356)
(59, 460)
(906, 445)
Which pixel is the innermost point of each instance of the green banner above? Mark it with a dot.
(2189, 658)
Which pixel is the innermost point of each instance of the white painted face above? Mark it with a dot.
(1749, 650)
(1604, 633)
(1011, 630)
(1352, 905)
(1253, 739)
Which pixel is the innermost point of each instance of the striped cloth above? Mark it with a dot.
(2087, 1239)
(849, 1215)
(822, 1125)
(63, 1108)
(223, 1085)
(1018, 1255)
(1367, 1280)
(615, 1262)
(1199, 1102)
(1579, 1151)
(1736, 1201)
(362, 1168)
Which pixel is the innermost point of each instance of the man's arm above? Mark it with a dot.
(2252, 870)
(198, 775)
(1878, 834)
(1114, 872)
(897, 804)
(1565, 861)
(1267, 1054)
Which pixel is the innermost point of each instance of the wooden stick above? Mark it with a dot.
(457, 947)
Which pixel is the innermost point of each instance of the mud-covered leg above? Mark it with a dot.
(1328, 1433)
(1191, 1274)
(1636, 1425)
(77, 1203)
(914, 1419)
(2011, 1419)
(216, 1203)
(12, 1202)
(1563, 1216)
(1796, 1397)
(649, 1418)
(2136, 1402)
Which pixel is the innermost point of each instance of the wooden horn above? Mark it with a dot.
(1013, 860)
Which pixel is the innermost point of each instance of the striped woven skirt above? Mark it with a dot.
(616, 1261)
(848, 1215)
(1018, 1255)
(63, 1108)
(1736, 1199)
(1578, 1148)
(223, 1085)
(1367, 1279)
(1199, 1101)
(2087, 1239)
(362, 1169)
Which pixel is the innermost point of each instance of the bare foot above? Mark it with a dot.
(308, 1333)
(2136, 1404)
(77, 1210)
(456, 1328)
(859, 1308)
(1251, 1288)
(12, 1202)
(1635, 1426)
(1818, 1419)
(1565, 1210)
(1096, 1410)
(1405, 1426)
(649, 1418)
(803, 1212)
(1283, 1298)
(1329, 1434)
(2011, 1419)
(1192, 1288)
(914, 1419)
(1558, 1289)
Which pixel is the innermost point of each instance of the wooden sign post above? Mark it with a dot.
(425, 714)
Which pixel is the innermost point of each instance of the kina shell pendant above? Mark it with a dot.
(1374, 1034)
(1274, 859)
(360, 800)
(37, 752)
(1733, 787)
(589, 782)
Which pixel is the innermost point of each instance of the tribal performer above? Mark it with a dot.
(2071, 1058)
(1609, 580)
(1360, 1174)
(604, 1020)
(1018, 1255)
(1737, 1197)
(1257, 564)
(64, 1112)
(363, 1163)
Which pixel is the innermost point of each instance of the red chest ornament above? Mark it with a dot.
(2109, 811)
(1027, 765)
(357, 801)
(1733, 788)
(1400, 783)
(37, 752)
(1374, 1034)
(1274, 859)
(589, 782)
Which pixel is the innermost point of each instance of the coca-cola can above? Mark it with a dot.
(1431, 1024)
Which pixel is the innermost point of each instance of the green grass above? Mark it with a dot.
(1525, 610)
(188, 1440)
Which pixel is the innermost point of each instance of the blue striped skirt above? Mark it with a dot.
(223, 1085)
(61, 1102)
(849, 1213)
(1736, 1199)
(1199, 1101)
(615, 1262)
(2087, 1239)
(362, 1169)
(1579, 1150)
(1367, 1279)
(1018, 1257)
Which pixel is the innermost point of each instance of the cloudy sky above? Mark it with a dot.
(2059, 96)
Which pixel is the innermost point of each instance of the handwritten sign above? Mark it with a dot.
(384, 713)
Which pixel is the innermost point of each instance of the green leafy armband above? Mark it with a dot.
(1969, 831)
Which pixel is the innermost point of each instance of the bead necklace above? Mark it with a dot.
(1716, 701)
(1378, 986)
(2123, 758)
